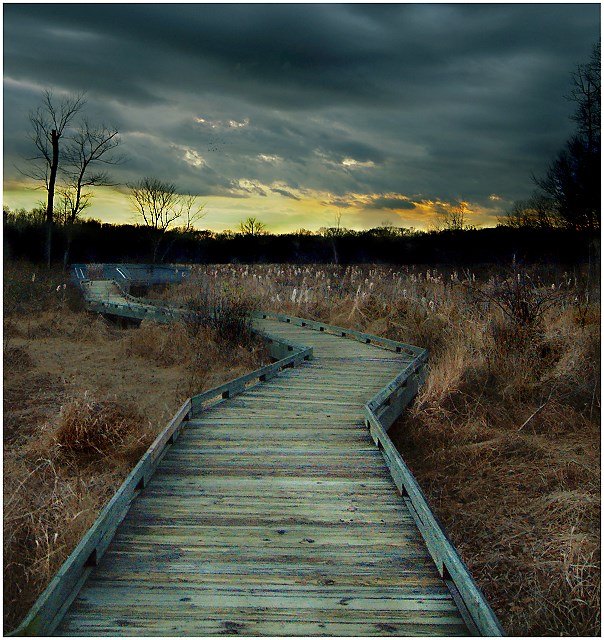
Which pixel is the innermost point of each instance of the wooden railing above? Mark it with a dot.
(380, 412)
(132, 273)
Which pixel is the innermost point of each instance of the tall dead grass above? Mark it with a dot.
(504, 438)
(87, 427)
(46, 511)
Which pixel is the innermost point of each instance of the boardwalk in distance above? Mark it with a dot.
(274, 514)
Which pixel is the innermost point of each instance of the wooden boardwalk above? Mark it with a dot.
(274, 514)
(271, 512)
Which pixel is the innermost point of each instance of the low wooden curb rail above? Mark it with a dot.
(473, 606)
(48, 611)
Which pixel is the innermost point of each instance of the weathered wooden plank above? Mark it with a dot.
(223, 435)
(371, 571)
(264, 628)
(153, 513)
(148, 597)
(225, 486)
(341, 535)
(268, 622)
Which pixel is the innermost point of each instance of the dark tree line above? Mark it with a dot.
(568, 195)
(93, 241)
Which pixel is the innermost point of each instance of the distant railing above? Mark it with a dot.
(138, 274)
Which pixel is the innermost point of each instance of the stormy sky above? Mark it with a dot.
(298, 113)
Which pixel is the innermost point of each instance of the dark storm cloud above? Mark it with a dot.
(441, 101)
(392, 203)
(285, 193)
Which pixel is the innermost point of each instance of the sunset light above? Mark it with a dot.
(380, 113)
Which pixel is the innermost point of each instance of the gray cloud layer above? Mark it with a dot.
(430, 101)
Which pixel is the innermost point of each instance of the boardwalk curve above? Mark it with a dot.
(266, 508)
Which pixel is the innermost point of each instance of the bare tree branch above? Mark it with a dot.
(158, 205)
(252, 227)
(88, 146)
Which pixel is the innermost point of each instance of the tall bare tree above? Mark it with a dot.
(573, 179)
(49, 123)
(252, 227)
(160, 207)
(70, 157)
(89, 147)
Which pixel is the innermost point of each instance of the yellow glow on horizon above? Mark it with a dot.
(281, 214)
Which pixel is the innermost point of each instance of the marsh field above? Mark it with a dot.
(504, 437)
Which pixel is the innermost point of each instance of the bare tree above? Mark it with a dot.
(49, 123)
(67, 158)
(252, 227)
(452, 218)
(538, 212)
(88, 147)
(159, 206)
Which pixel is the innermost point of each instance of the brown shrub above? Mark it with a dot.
(106, 428)
(164, 345)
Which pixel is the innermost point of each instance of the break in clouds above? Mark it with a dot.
(386, 105)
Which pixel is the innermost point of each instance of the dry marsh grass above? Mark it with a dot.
(101, 429)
